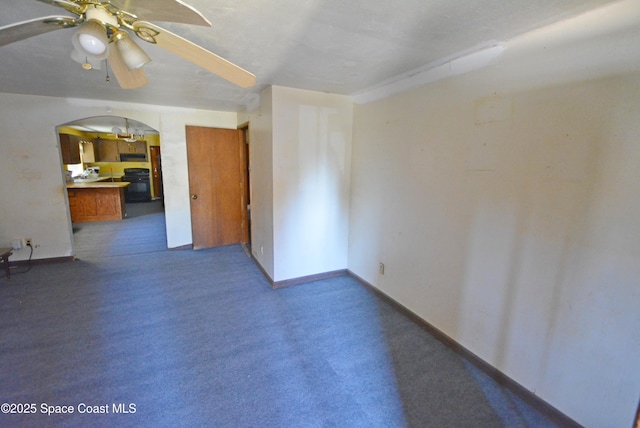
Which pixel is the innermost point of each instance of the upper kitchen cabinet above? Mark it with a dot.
(120, 151)
(87, 151)
(136, 147)
(107, 151)
(70, 148)
(135, 151)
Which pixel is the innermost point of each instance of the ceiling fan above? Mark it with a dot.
(103, 34)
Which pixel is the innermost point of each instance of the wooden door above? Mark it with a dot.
(217, 185)
(156, 171)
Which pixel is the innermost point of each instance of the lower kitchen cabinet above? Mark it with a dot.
(97, 202)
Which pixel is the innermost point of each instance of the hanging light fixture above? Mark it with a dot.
(132, 55)
(126, 136)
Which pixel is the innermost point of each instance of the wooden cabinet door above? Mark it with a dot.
(108, 151)
(140, 147)
(96, 204)
(70, 148)
(75, 206)
(88, 152)
(136, 147)
(123, 147)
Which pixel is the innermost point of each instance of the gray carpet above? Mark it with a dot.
(198, 338)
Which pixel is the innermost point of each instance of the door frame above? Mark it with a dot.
(155, 158)
(244, 127)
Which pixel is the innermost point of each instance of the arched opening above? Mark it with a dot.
(113, 169)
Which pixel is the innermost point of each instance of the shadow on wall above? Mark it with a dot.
(510, 231)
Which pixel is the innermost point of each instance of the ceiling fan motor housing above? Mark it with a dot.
(99, 14)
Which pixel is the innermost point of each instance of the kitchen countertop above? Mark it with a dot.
(89, 180)
(98, 185)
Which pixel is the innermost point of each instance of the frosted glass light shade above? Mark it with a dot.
(91, 40)
(131, 53)
(84, 60)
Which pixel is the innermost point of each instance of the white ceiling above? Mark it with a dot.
(105, 125)
(337, 46)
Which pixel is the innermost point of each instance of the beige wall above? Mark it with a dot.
(261, 180)
(509, 220)
(311, 181)
(300, 181)
(504, 204)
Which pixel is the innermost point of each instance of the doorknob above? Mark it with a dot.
(194, 196)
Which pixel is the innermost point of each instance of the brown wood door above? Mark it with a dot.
(156, 171)
(217, 169)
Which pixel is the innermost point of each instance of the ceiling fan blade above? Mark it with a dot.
(33, 27)
(162, 10)
(194, 53)
(127, 79)
(68, 5)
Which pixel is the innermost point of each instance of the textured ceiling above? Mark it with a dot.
(337, 46)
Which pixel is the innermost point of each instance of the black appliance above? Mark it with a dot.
(133, 157)
(140, 188)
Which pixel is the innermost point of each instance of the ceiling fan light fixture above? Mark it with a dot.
(132, 54)
(91, 40)
(98, 24)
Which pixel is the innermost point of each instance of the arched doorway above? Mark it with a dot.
(120, 156)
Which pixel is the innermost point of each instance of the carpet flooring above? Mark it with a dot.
(146, 337)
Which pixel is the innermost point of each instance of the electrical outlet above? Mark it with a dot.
(28, 242)
(381, 268)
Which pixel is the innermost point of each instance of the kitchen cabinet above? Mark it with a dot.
(89, 202)
(110, 150)
(136, 147)
(107, 151)
(88, 152)
(70, 148)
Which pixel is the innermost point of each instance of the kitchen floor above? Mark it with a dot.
(142, 231)
(136, 209)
